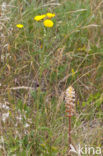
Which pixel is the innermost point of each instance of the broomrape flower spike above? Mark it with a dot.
(70, 101)
(39, 18)
(19, 26)
(48, 23)
(50, 15)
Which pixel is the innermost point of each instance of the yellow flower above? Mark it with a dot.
(39, 18)
(82, 48)
(54, 148)
(73, 72)
(50, 15)
(43, 145)
(48, 23)
(19, 26)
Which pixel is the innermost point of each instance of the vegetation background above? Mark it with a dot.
(37, 64)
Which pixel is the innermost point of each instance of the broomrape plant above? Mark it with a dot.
(70, 108)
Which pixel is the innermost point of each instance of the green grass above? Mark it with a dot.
(49, 60)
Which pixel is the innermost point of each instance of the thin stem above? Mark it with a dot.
(69, 130)
(69, 133)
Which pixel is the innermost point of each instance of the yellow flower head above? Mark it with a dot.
(39, 18)
(50, 15)
(48, 23)
(19, 26)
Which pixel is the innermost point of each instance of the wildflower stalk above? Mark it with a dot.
(69, 130)
(70, 109)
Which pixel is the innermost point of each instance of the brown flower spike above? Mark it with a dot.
(70, 101)
(70, 108)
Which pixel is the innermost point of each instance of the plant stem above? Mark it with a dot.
(69, 133)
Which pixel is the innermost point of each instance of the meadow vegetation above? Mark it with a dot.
(38, 63)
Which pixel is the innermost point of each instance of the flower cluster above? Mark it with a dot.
(47, 22)
(70, 101)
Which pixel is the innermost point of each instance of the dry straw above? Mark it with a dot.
(70, 108)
